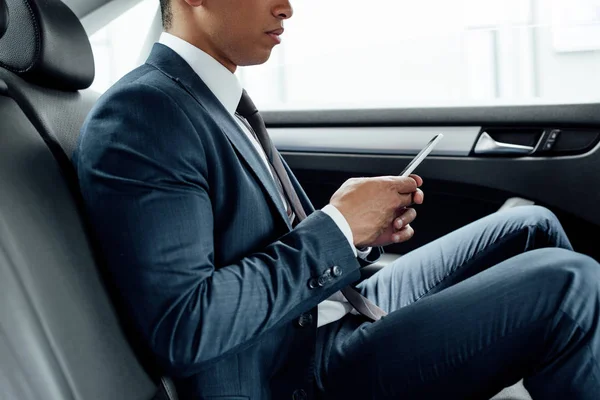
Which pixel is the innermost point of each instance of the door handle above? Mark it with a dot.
(487, 145)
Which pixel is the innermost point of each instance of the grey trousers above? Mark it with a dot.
(501, 299)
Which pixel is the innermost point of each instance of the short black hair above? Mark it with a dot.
(167, 13)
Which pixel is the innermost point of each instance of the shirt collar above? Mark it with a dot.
(221, 82)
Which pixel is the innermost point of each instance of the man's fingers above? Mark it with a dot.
(418, 197)
(403, 235)
(393, 235)
(406, 200)
(406, 218)
(405, 185)
(417, 179)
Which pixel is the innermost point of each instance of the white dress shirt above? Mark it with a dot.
(227, 89)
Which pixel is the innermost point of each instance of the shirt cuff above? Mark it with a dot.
(364, 253)
(341, 222)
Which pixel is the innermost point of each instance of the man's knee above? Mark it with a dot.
(571, 293)
(575, 275)
(587, 276)
(567, 265)
(536, 215)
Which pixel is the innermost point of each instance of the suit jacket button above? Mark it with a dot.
(336, 271)
(299, 394)
(313, 283)
(305, 320)
(323, 279)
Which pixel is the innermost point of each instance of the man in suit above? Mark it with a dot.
(239, 289)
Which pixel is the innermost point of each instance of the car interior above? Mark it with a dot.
(61, 334)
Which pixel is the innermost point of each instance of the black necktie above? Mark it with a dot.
(247, 110)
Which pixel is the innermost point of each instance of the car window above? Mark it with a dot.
(398, 54)
(117, 46)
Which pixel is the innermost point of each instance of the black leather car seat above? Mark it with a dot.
(60, 337)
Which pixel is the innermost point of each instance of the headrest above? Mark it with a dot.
(45, 43)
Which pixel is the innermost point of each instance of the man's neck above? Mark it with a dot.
(204, 44)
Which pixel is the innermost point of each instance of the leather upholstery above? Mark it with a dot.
(57, 115)
(59, 336)
(46, 44)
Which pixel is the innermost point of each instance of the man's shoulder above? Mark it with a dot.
(139, 114)
(144, 100)
(143, 80)
(145, 90)
(141, 111)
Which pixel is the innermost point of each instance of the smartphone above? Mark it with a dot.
(421, 156)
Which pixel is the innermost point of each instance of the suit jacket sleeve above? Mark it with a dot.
(143, 177)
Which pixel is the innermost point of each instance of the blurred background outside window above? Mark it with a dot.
(399, 54)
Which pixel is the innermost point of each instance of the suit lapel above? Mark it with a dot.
(173, 66)
(248, 153)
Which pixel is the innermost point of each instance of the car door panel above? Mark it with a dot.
(457, 141)
(325, 148)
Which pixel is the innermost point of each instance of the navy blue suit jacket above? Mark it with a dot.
(196, 239)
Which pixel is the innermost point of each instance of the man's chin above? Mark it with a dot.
(256, 59)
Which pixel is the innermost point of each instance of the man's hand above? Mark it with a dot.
(400, 230)
(376, 208)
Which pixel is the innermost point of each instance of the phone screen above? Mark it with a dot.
(421, 156)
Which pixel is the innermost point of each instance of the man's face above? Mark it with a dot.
(242, 32)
